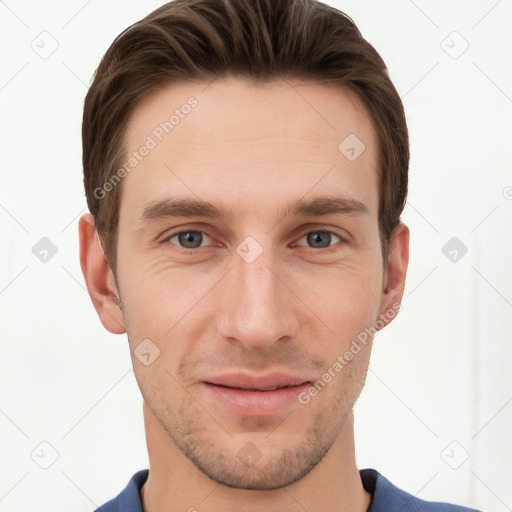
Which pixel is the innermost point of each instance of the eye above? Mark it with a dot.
(188, 239)
(320, 239)
(193, 239)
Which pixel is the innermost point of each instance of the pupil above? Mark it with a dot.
(317, 236)
(187, 239)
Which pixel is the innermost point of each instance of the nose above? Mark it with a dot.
(259, 308)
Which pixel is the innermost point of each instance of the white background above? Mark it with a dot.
(439, 386)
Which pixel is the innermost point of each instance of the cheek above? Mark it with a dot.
(345, 296)
(165, 303)
(347, 301)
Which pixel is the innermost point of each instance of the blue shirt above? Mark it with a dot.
(385, 497)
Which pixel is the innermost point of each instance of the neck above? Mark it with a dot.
(175, 483)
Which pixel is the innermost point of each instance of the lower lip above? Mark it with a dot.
(255, 403)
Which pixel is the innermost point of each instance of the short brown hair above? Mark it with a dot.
(257, 40)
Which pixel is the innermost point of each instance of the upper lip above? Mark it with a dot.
(261, 382)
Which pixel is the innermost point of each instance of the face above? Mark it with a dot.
(267, 285)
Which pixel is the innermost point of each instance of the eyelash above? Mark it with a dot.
(327, 249)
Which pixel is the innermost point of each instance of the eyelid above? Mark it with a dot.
(311, 228)
(200, 228)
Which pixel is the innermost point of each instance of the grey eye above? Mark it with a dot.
(189, 239)
(320, 239)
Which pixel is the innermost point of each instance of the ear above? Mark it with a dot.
(394, 275)
(99, 277)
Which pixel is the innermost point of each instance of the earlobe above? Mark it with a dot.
(99, 278)
(396, 270)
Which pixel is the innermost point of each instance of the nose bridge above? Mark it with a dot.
(259, 310)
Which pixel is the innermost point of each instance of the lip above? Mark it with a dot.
(256, 382)
(249, 395)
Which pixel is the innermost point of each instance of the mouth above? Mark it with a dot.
(249, 382)
(251, 389)
(245, 395)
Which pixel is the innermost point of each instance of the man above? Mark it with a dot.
(245, 167)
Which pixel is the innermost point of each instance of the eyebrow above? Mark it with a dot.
(315, 207)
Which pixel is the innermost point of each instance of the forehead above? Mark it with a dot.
(260, 141)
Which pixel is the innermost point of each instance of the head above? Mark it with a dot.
(245, 166)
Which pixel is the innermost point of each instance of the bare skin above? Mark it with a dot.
(294, 309)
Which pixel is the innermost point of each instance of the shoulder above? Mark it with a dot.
(128, 500)
(389, 498)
